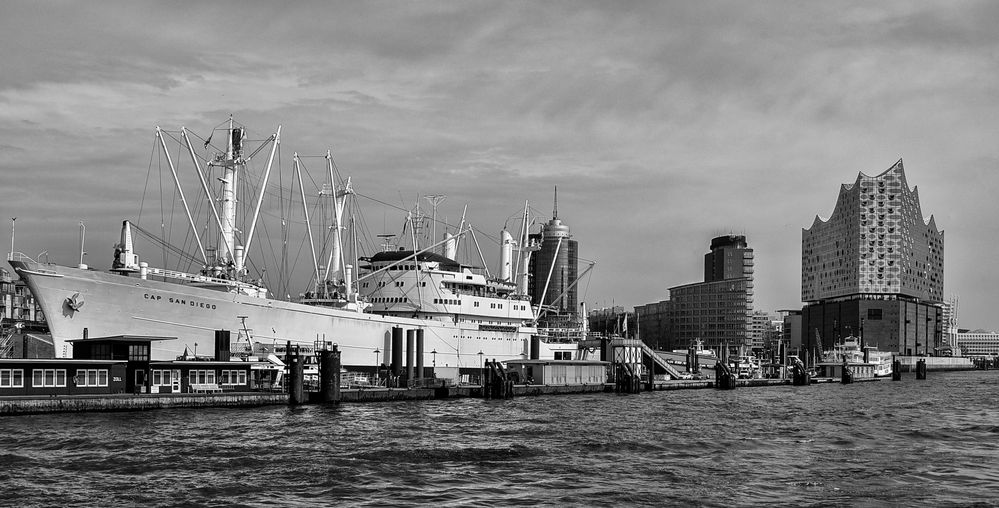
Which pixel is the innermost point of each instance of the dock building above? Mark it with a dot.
(978, 343)
(874, 268)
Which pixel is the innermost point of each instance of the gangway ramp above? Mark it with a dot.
(647, 355)
(660, 361)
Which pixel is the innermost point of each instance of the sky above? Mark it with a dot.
(662, 123)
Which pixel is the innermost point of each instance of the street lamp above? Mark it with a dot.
(480, 367)
(434, 352)
(376, 358)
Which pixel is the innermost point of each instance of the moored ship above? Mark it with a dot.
(862, 361)
(463, 316)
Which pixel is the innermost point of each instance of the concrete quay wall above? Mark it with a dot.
(10, 406)
(78, 403)
(457, 392)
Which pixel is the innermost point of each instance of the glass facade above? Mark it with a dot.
(875, 242)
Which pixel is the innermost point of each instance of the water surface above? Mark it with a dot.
(905, 443)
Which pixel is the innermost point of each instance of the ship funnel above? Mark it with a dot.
(450, 246)
(506, 256)
(125, 260)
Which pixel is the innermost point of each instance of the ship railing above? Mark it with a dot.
(19, 256)
(204, 279)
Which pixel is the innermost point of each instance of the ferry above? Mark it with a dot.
(863, 361)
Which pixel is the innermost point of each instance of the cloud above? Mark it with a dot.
(662, 123)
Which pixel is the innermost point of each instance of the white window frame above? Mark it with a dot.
(232, 377)
(58, 378)
(14, 378)
(201, 377)
(162, 377)
(92, 378)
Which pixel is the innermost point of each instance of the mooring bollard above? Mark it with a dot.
(921, 369)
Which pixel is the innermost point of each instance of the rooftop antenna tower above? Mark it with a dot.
(555, 209)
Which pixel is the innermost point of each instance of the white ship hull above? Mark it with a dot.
(109, 304)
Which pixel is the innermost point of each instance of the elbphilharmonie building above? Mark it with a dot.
(874, 268)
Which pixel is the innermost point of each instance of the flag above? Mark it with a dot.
(209, 140)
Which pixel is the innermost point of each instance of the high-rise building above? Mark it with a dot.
(717, 311)
(554, 269)
(874, 269)
(730, 258)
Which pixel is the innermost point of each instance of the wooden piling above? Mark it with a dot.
(329, 374)
(296, 377)
(410, 356)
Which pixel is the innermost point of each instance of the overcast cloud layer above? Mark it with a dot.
(662, 123)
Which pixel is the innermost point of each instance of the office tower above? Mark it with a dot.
(554, 269)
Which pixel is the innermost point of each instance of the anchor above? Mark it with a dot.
(74, 302)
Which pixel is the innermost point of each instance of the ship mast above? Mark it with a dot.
(336, 259)
(232, 166)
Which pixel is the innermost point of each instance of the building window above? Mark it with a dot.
(874, 314)
(91, 377)
(100, 351)
(138, 353)
(201, 377)
(232, 377)
(48, 378)
(162, 378)
(11, 378)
